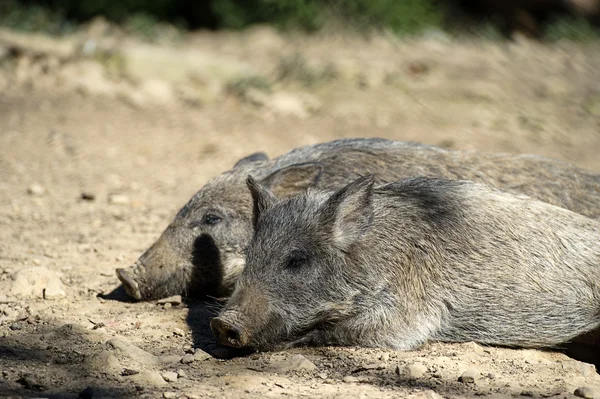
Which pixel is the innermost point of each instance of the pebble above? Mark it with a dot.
(87, 196)
(181, 373)
(106, 363)
(36, 190)
(584, 392)
(416, 370)
(167, 306)
(294, 363)
(178, 332)
(148, 377)
(169, 395)
(118, 199)
(187, 358)
(169, 376)
(173, 300)
(132, 351)
(469, 376)
(384, 357)
(200, 355)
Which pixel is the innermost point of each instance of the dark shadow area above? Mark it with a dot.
(207, 275)
(118, 294)
(585, 348)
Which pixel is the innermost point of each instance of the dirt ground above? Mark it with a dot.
(99, 149)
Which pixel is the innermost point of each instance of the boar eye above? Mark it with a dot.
(296, 260)
(210, 219)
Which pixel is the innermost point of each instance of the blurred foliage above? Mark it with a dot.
(403, 17)
(573, 29)
(33, 18)
(143, 16)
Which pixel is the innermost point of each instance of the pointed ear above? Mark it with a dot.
(262, 199)
(256, 157)
(349, 212)
(294, 179)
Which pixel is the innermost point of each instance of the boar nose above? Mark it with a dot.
(130, 285)
(228, 334)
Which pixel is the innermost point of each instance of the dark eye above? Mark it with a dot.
(210, 219)
(296, 260)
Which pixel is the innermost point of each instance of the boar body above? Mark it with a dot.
(416, 260)
(202, 251)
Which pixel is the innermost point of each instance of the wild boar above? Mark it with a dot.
(416, 260)
(202, 251)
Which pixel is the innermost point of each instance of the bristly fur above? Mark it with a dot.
(416, 260)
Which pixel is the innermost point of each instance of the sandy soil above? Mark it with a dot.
(137, 140)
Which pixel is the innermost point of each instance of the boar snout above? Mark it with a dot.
(131, 286)
(229, 334)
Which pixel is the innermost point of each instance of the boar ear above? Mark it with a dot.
(349, 212)
(294, 179)
(256, 157)
(262, 199)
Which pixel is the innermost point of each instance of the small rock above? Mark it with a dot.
(152, 378)
(36, 190)
(187, 358)
(169, 376)
(178, 332)
(200, 355)
(173, 300)
(294, 363)
(350, 379)
(126, 372)
(527, 393)
(106, 363)
(135, 353)
(469, 376)
(167, 306)
(416, 370)
(118, 199)
(559, 390)
(181, 373)
(169, 395)
(87, 393)
(584, 392)
(87, 196)
(384, 357)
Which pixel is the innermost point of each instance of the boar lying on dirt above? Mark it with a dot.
(416, 260)
(202, 251)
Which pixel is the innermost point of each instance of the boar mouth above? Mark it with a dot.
(131, 286)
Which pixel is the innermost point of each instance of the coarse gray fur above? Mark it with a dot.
(416, 260)
(202, 251)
